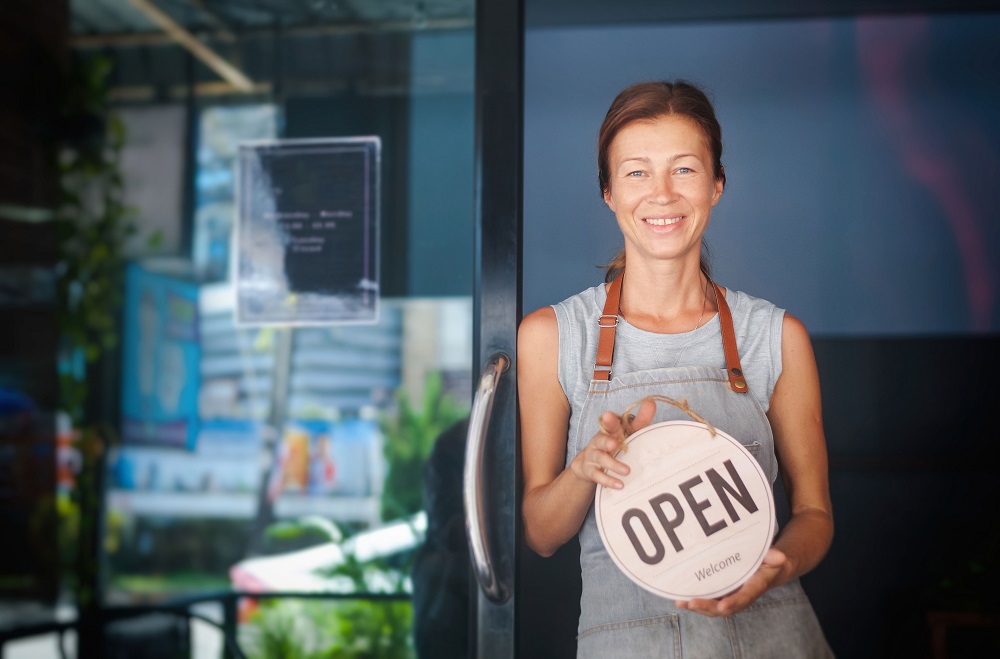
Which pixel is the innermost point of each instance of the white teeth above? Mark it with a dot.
(662, 221)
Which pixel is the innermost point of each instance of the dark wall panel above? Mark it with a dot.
(915, 482)
(34, 52)
(34, 55)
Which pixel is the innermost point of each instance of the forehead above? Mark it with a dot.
(668, 132)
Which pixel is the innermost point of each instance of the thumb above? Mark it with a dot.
(645, 415)
(774, 558)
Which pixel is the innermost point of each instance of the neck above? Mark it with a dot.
(666, 297)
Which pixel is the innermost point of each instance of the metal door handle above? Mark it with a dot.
(472, 481)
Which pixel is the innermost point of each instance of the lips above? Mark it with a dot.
(662, 221)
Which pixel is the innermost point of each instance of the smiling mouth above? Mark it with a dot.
(662, 221)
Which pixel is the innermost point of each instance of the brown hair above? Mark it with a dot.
(649, 100)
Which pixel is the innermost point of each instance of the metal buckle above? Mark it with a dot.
(601, 324)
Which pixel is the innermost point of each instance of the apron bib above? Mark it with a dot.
(619, 618)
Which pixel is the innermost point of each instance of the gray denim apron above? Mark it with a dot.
(620, 619)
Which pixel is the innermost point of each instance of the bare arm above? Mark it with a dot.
(556, 499)
(797, 424)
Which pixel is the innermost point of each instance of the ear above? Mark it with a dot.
(717, 193)
(608, 199)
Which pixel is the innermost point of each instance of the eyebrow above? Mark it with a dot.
(645, 160)
(641, 159)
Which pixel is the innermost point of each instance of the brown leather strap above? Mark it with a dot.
(608, 323)
(733, 368)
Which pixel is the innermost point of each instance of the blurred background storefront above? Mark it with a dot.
(197, 456)
(175, 483)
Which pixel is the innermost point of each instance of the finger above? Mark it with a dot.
(610, 424)
(645, 415)
(608, 463)
(602, 477)
(741, 599)
(748, 593)
(602, 445)
(703, 607)
(736, 602)
(601, 468)
(610, 446)
(611, 483)
(598, 460)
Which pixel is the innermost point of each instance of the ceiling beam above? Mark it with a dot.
(196, 47)
(126, 39)
(221, 26)
(151, 93)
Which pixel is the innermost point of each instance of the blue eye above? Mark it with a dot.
(635, 173)
(684, 170)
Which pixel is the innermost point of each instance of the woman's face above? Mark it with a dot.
(662, 187)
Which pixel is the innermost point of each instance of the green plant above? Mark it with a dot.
(361, 628)
(282, 629)
(93, 225)
(293, 534)
(366, 628)
(341, 629)
(373, 629)
(410, 435)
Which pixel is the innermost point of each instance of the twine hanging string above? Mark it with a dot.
(627, 417)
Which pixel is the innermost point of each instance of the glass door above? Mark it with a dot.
(317, 475)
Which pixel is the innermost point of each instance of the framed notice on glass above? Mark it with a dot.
(307, 232)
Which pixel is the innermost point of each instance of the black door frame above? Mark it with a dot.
(499, 91)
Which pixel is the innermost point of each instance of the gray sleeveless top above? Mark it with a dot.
(757, 324)
(617, 617)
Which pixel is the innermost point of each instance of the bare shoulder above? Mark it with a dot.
(542, 316)
(794, 334)
(538, 360)
(796, 349)
(797, 387)
(539, 330)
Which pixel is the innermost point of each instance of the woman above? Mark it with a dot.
(660, 172)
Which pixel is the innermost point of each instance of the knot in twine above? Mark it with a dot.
(627, 417)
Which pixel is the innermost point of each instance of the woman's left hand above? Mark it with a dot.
(765, 578)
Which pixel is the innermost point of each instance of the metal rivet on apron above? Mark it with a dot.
(740, 383)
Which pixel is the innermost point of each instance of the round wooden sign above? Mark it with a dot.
(696, 515)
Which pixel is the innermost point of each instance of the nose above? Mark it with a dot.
(663, 189)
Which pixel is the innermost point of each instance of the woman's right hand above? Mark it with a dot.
(556, 497)
(596, 462)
